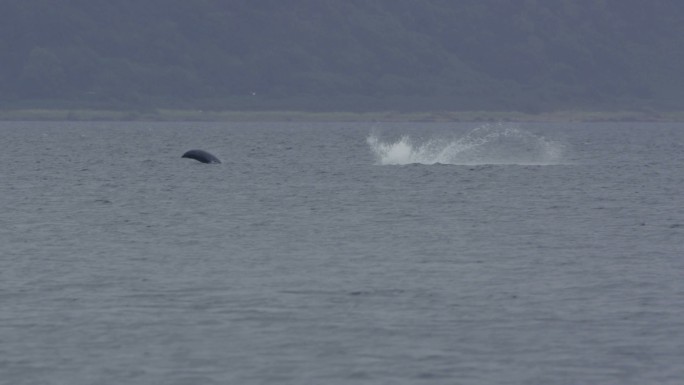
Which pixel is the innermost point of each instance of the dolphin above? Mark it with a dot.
(202, 156)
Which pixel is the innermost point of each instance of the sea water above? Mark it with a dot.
(341, 253)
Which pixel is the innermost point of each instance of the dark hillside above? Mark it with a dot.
(527, 55)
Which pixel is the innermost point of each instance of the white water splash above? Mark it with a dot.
(488, 144)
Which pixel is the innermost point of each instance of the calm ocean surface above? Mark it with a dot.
(345, 253)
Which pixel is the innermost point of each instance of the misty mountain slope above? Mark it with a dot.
(330, 54)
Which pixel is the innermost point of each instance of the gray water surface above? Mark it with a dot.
(342, 253)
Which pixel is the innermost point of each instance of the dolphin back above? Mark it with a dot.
(201, 156)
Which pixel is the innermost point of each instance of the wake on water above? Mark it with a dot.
(487, 144)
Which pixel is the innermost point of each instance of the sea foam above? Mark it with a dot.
(487, 144)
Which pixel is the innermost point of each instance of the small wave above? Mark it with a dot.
(488, 144)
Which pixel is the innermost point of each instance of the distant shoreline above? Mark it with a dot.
(169, 115)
